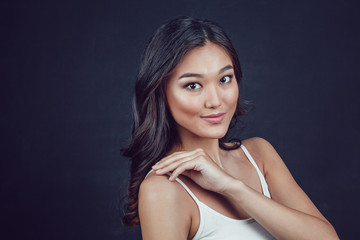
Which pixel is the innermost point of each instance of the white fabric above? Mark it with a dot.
(214, 226)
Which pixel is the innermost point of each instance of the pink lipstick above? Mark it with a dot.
(214, 118)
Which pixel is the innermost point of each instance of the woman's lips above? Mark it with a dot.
(214, 118)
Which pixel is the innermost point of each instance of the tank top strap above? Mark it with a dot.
(184, 186)
(264, 185)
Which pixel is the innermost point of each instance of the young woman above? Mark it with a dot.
(186, 181)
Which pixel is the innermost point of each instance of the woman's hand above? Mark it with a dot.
(198, 166)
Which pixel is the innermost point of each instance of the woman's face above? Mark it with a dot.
(202, 92)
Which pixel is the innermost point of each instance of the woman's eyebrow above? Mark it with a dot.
(227, 67)
(185, 75)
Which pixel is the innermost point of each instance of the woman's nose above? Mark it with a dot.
(212, 99)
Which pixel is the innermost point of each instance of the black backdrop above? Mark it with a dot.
(67, 76)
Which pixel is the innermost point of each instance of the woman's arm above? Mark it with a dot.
(163, 209)
(290, 214)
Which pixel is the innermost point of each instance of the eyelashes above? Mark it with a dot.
(193, 86)
(226, 79)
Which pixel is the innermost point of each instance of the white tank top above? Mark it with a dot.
(214, 225)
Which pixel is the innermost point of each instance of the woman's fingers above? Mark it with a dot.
(195, 164)
(177, 156)
(172, 164)
(185, 166)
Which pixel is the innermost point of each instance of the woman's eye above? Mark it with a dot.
(193, 86)
(225, 79)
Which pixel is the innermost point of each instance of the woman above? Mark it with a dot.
(186, 181)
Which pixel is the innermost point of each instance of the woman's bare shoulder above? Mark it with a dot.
(259, 146)
(163, 208)
(158, 187)
(261, 150)
(255, 142)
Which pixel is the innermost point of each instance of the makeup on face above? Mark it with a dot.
(214, 118)
(202, 92)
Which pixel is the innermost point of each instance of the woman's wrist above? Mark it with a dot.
(234, 189)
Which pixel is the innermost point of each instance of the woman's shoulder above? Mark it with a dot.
(258, 145)
(163, 203)
(255, 142)
(158, 186)
(263, 153)
(260, 149)
(158, 189)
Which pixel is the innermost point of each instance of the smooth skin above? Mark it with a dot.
(202, 84)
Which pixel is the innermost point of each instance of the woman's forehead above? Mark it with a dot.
(206, 59)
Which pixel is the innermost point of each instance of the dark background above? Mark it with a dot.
(67, 77)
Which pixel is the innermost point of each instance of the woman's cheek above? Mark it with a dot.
(186, 104)
(232, 97)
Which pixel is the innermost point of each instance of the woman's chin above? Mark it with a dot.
(215, 132)
(214, 135)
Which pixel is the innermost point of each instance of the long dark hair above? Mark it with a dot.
(154, 131)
